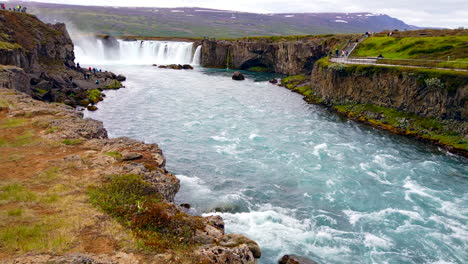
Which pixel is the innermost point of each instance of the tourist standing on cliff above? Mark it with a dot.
(3, 6)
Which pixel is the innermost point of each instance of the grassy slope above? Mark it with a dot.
(26, 31)
(433, 48)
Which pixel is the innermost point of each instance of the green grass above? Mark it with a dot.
(4, 103)
(114, 85)
(114, 154)
(49, 174)
(427, 128)
(429, 48)
(72, 142)
(293, 81)
(9, 46)
(26, 237)
(135, 205)
(13, 122)
(94, 95)
(25, 139)
(52, 130)
(259, 69)
(16, 193)
(15, 212)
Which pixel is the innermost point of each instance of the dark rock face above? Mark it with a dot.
(288, 57)
(399, 90)
(292, 259)
(41, 61)
(237, 76)
(176, 66)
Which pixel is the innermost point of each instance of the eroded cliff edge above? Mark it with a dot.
(430, 105)
(284, 55)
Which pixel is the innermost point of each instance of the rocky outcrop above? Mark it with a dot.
(102, 158)
(44, 53)
(292, 259)
(289, 57)
(175, 66)
(428, 93)
(237, 76)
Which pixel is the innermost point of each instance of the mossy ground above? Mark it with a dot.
(404, 123)
(130, 200)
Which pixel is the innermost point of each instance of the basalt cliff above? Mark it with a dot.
(288, 56)
(72, 195)
(38, 59)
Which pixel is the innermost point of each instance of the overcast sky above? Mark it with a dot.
(435, 13)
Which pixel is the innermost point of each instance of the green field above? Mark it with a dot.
(448, 51)
(427, 48)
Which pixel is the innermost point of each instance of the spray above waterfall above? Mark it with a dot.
(97, 51)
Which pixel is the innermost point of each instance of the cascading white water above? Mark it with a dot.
(91, 51)
(197, 56)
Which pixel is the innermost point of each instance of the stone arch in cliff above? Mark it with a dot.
(257, 62)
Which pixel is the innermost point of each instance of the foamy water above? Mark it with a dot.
(292, 176)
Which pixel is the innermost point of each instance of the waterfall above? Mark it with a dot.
(197, 56)
(91, 51)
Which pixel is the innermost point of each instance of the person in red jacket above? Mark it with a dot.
(3, 6)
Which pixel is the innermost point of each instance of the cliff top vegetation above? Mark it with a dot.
(436, 46)
(21, 30)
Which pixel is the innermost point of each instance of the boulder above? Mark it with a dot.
(292, 259)
(121, 78)
(234, 240)
(131, 156)
(237, 76)
(92, 108)
(154, 65)
(273, 81)
(187, 67)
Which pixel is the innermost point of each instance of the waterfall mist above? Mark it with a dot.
(92, 50)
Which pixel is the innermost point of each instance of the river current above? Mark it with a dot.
(292, 176)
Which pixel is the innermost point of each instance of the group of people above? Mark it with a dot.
(18, 8)
(87, 73)
(344, 53)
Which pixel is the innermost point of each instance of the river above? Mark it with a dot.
(292, 176)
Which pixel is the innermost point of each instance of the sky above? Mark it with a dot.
(429, 13)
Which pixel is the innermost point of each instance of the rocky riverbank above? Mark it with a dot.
(402, 101)
(55, 164)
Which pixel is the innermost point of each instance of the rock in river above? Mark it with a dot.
(237, 76)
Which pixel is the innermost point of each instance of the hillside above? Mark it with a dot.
(438, 45)
(429, 48)
(199, 22)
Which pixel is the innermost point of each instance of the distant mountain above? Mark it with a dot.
(198, 22)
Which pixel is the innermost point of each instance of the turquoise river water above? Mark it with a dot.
(292, 176)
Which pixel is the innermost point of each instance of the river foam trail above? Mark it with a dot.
(292, 176)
